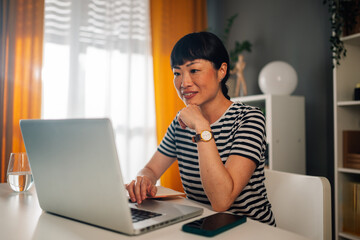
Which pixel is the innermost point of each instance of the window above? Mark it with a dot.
(97, 63)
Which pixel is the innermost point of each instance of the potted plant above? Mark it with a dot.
(345, 20)
(239, 47)
(237, 82)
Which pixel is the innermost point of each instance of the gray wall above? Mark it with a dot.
(296, 32)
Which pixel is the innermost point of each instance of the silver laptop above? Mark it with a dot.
(77, 175)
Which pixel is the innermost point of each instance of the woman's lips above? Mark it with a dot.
(188, 95)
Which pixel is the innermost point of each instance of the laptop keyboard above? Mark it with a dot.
(140, 215)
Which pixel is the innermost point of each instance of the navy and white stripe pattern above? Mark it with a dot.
(240, 131)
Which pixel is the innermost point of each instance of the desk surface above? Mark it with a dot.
(22, 218)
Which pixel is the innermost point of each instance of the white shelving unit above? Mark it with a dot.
(285, 129)
(346, 117)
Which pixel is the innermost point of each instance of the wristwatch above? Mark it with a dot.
(204, 136)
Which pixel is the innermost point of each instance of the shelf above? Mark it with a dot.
(349, 236)
(348, 103)
(251, 98)
(346, 117)
(353, 39)
(349, 170)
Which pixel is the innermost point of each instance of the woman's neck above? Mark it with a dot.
(213, 110)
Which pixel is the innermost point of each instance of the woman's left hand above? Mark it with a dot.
(192, 117)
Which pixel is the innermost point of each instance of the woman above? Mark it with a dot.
(219, 144)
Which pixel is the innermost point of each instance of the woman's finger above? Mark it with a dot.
(138, 189)
(130, 189)
(182, 124)
(143, 188)
(152, 190)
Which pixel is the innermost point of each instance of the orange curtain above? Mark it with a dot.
(170, 20)
(21, 42)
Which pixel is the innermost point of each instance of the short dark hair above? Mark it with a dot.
(202, 45)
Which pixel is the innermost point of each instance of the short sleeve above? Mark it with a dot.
(250, 137)
(167, 145)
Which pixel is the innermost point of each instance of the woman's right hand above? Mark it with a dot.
(140, 189)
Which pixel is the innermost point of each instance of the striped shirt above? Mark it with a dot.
(239, 131)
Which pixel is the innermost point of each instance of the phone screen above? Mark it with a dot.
(214, 224)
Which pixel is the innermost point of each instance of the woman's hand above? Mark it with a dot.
(144, 185)
(140, 189)
(192, 117)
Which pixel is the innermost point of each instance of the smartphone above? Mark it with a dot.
(214, 224)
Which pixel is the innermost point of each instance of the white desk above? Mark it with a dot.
(22, 218)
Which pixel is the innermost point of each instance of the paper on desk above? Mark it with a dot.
(163, 192)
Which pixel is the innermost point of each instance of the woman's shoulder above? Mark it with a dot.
(237, 113)
(243, 109)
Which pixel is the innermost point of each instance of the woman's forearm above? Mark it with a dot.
(156, 166)
(216, 180)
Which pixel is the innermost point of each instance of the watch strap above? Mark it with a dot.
(198, 138)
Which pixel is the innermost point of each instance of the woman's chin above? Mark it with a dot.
(188, 102)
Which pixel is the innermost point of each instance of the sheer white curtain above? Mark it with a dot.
(97, 63)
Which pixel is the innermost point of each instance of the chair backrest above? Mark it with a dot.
(300, 203)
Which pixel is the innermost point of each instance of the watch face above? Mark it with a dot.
(206, 135)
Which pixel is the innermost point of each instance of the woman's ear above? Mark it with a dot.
(222, 71)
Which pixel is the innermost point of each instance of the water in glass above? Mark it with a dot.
(19, 176)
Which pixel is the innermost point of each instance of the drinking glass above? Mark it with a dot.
(19, 176)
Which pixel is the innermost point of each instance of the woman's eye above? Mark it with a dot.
(194, 70)
(176, 74)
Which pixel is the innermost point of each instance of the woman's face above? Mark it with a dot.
(198, 82)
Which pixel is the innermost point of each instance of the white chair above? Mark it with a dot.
(300, 203)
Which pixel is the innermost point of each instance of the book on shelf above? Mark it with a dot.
(351, 208)
(351, 149)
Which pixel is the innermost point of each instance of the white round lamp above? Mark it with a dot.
(278, 78)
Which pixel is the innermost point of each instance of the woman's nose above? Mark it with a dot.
(186, 81)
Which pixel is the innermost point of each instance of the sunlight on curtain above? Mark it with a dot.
(21, 36)
(168, 26)
(98, 63)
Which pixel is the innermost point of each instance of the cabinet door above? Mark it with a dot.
(285, 129)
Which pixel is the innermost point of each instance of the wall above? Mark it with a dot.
(296, 32)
